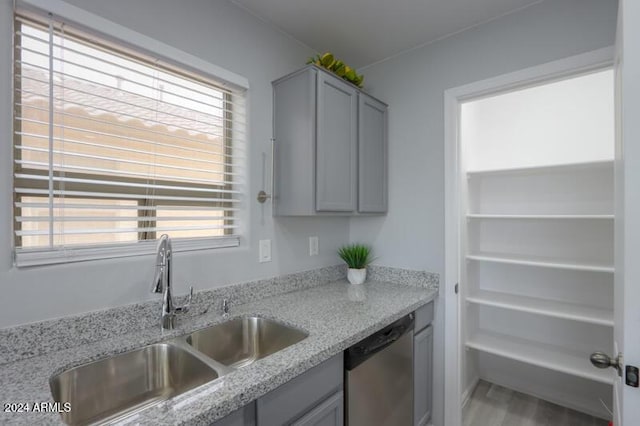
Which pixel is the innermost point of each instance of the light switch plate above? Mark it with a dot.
(313, 246)
(265, 251)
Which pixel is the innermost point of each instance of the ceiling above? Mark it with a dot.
(362, 32)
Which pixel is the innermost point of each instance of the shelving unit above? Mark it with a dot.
(542, 262)
(542, 216)
(555, 224)
(530, 352)
(571, 191)
(545, 169)
(551, 308)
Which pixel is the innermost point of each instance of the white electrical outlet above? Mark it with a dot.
(265, 251)
(313, 246)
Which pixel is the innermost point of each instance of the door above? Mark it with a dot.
(627, 287)
(336, 145)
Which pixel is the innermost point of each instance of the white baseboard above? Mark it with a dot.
(466, 395)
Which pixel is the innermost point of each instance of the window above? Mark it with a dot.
(113, 148)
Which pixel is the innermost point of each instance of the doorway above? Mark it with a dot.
(530, 229)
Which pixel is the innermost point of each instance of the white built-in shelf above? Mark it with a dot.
(550, 308)
(544, 169)
(541, 216)
(539, 354)
(542, 262)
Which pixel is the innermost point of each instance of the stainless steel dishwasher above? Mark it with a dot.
(379, 377)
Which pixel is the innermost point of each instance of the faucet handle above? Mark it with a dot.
(185, 308)
(225, 308)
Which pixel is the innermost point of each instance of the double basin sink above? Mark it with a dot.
(118, 386)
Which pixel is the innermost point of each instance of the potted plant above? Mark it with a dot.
(357, 257)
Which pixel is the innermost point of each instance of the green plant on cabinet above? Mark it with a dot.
(339, 68)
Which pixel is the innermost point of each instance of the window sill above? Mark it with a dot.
(27, 258)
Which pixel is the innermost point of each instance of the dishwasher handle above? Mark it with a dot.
(366, 348)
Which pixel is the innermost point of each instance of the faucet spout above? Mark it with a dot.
(163, 248)
(162, 280)
(156, 284)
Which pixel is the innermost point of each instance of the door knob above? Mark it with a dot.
(602, 360)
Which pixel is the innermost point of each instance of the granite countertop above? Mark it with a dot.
(329, 313)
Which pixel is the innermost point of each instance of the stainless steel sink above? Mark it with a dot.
(242, 341)
(123, 384)
(112, 388)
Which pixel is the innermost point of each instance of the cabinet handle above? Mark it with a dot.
(262, 195)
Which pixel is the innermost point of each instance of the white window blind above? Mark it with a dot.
(112, 149)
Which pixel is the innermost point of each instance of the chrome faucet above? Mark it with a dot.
(162, 283)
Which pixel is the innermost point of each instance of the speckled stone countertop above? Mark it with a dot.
(334, 317)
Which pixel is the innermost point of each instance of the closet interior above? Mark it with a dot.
(537, 240)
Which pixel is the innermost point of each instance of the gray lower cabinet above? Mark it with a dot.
(315, 398)
(309, 399)
(245, 416)
(328, 413)
(423, 366)
(329, 147)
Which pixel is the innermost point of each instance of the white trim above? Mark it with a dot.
(452, 344)
(116, 31)
(466, 395)
(556, 70)
(28, 258)
(584, 63)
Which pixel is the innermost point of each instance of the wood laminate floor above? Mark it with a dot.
(493, 405)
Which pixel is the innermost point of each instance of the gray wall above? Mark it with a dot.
(224, 35)
(413, 84)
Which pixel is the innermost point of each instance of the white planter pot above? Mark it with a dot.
(357, 276)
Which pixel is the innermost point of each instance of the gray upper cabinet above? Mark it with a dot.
(294, 131)
(330, 147)
(372, 155)
(336, 145)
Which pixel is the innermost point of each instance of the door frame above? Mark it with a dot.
(545, 73)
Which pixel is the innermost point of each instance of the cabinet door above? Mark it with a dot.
(336, 145)
(297, 397)
(372, 155)
(423, 376)
(329, 413)
(294, 130)
(245, 416)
